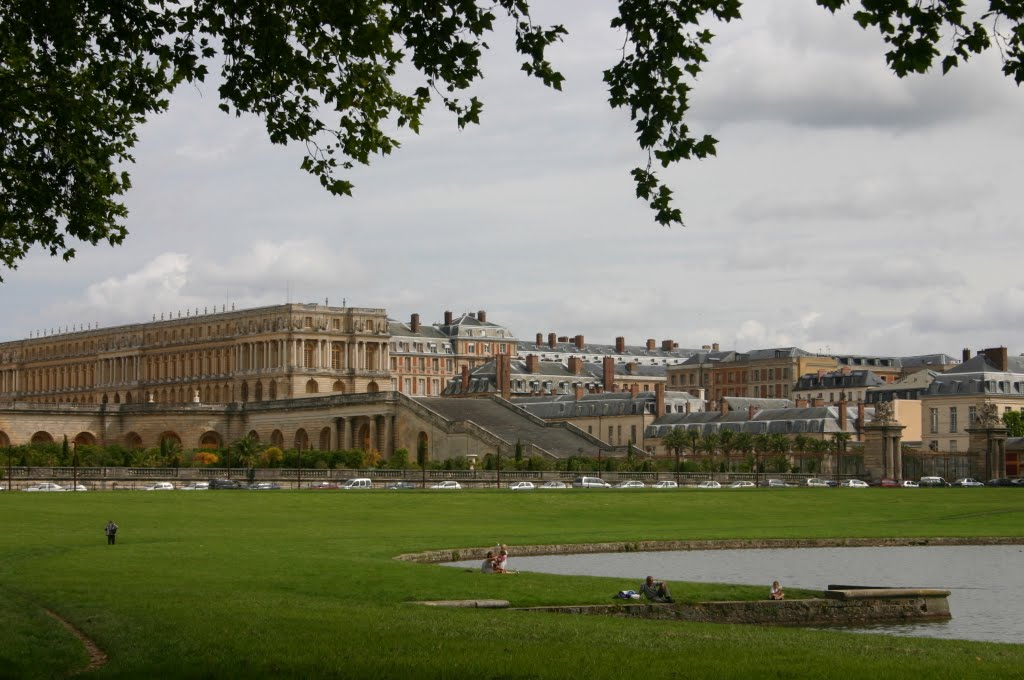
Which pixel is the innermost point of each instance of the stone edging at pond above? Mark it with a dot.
(459, 554)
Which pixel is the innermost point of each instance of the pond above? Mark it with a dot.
(986, 583)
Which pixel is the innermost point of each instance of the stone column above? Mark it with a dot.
(987, 449)
(882, 442)
(373, 434)
(346, 425)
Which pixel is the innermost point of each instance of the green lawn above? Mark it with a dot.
(224, 584)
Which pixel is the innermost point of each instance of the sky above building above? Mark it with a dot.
(847, 211)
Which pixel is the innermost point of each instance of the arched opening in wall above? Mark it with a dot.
(182, 398)
(104, 400)
(216, 394)
(127, 397)
(273, 389)
(339, 386)
(209, 395)
(372, 388)
(172, 439)
(84, 439)
(254, 436)
(133, 441)
(5, 441)
(325, 439)
(312, 387)
(277, 439)
(422, 448)
(363, 437)
(41, 438)
(301, 440)
(245, 391)
(210, 440)
(117, 397)
(259, 391)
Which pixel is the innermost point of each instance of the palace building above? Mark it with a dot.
(265, 353)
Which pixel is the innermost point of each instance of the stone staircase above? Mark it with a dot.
(510, 424)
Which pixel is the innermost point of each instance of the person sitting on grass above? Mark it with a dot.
(501, 562)
(777, 593)
(655, 591)
(487, 566)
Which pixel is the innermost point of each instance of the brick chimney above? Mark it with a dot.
(634, 389)
(552, 340)
(465, 379)
(998, 356)
(966, 356)
(563, 339)
(817, 402)
(800, 403)
(714, 347)
(620, 345)
(447, 318)
(608, 374)
(666, 345)
(503, 369)
(414, 323)
(842, 413)
(659, 400)
(579, 342)
(481, 315)
(631, 367)
(575, 365)
(860, 415)
(540, 339)
(651, 343)
(578, 392)
(533, 363)
(723, 407)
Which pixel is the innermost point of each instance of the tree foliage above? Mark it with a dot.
(77, 78)
(1014, 422)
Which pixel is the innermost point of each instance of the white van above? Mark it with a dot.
(590, 483)
(358, 483)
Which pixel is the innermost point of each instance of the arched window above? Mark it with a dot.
(339, 386)
(312, 387)
(301, 440)
(325, 439)
(259, 391)
(277, 439)
(372, 388)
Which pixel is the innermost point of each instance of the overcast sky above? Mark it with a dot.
(846, 211)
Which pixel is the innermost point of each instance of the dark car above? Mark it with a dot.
(1002, 481)
(225, 484)
(401, 485)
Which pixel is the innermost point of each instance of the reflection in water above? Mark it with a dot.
(986, 582)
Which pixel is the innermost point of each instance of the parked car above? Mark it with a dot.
(224, 484)
(742, 484)
(664, 484)
(709, 484)
(159, 486)
(854, 484)
(932, 481)
(264, 486)
(323, 485)
(888, 483)
(909, 484)
(814, 482)
(357, 483)
(1018, 482)
(590, 483)
(44, 486)
(447, 484)
(521, 486)
(195, 486)
(76, 487)
(967, 482)
(1002, 481)
(630, 484)
(554, 485)
(401, 485)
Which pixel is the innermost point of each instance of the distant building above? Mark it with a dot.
(826, 388)
(760, 373)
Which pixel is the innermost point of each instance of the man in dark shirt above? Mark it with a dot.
(655, 591)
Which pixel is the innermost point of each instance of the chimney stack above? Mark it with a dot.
(998, 356)
(481, 315)
(966, 356)
(634, 390)
(551, 340)
(575, 365)
(608, 373)
(540, 339)
(533, 363)
(666, 345)
(578, 391)
(414, 323)
(465, 379)
(447, 318)
(817, 402)
(579, 342)
(659, 400)
(620, 345)
(651, 343)
(860, 415)
(842, 412)
(503, 366)
(714, 347)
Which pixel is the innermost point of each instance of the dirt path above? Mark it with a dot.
(97, 657)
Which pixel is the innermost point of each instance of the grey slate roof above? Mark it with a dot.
(591, 405)
(838, 380)
(979, 375)
(823, 420)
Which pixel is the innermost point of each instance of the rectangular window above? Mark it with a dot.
(952, 418)
(952, 446)
(471, 348)
(503, 348)
(972, 415)
(934, 416)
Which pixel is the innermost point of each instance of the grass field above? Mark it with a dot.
(225, 584)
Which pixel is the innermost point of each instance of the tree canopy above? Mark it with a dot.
(78, 77)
